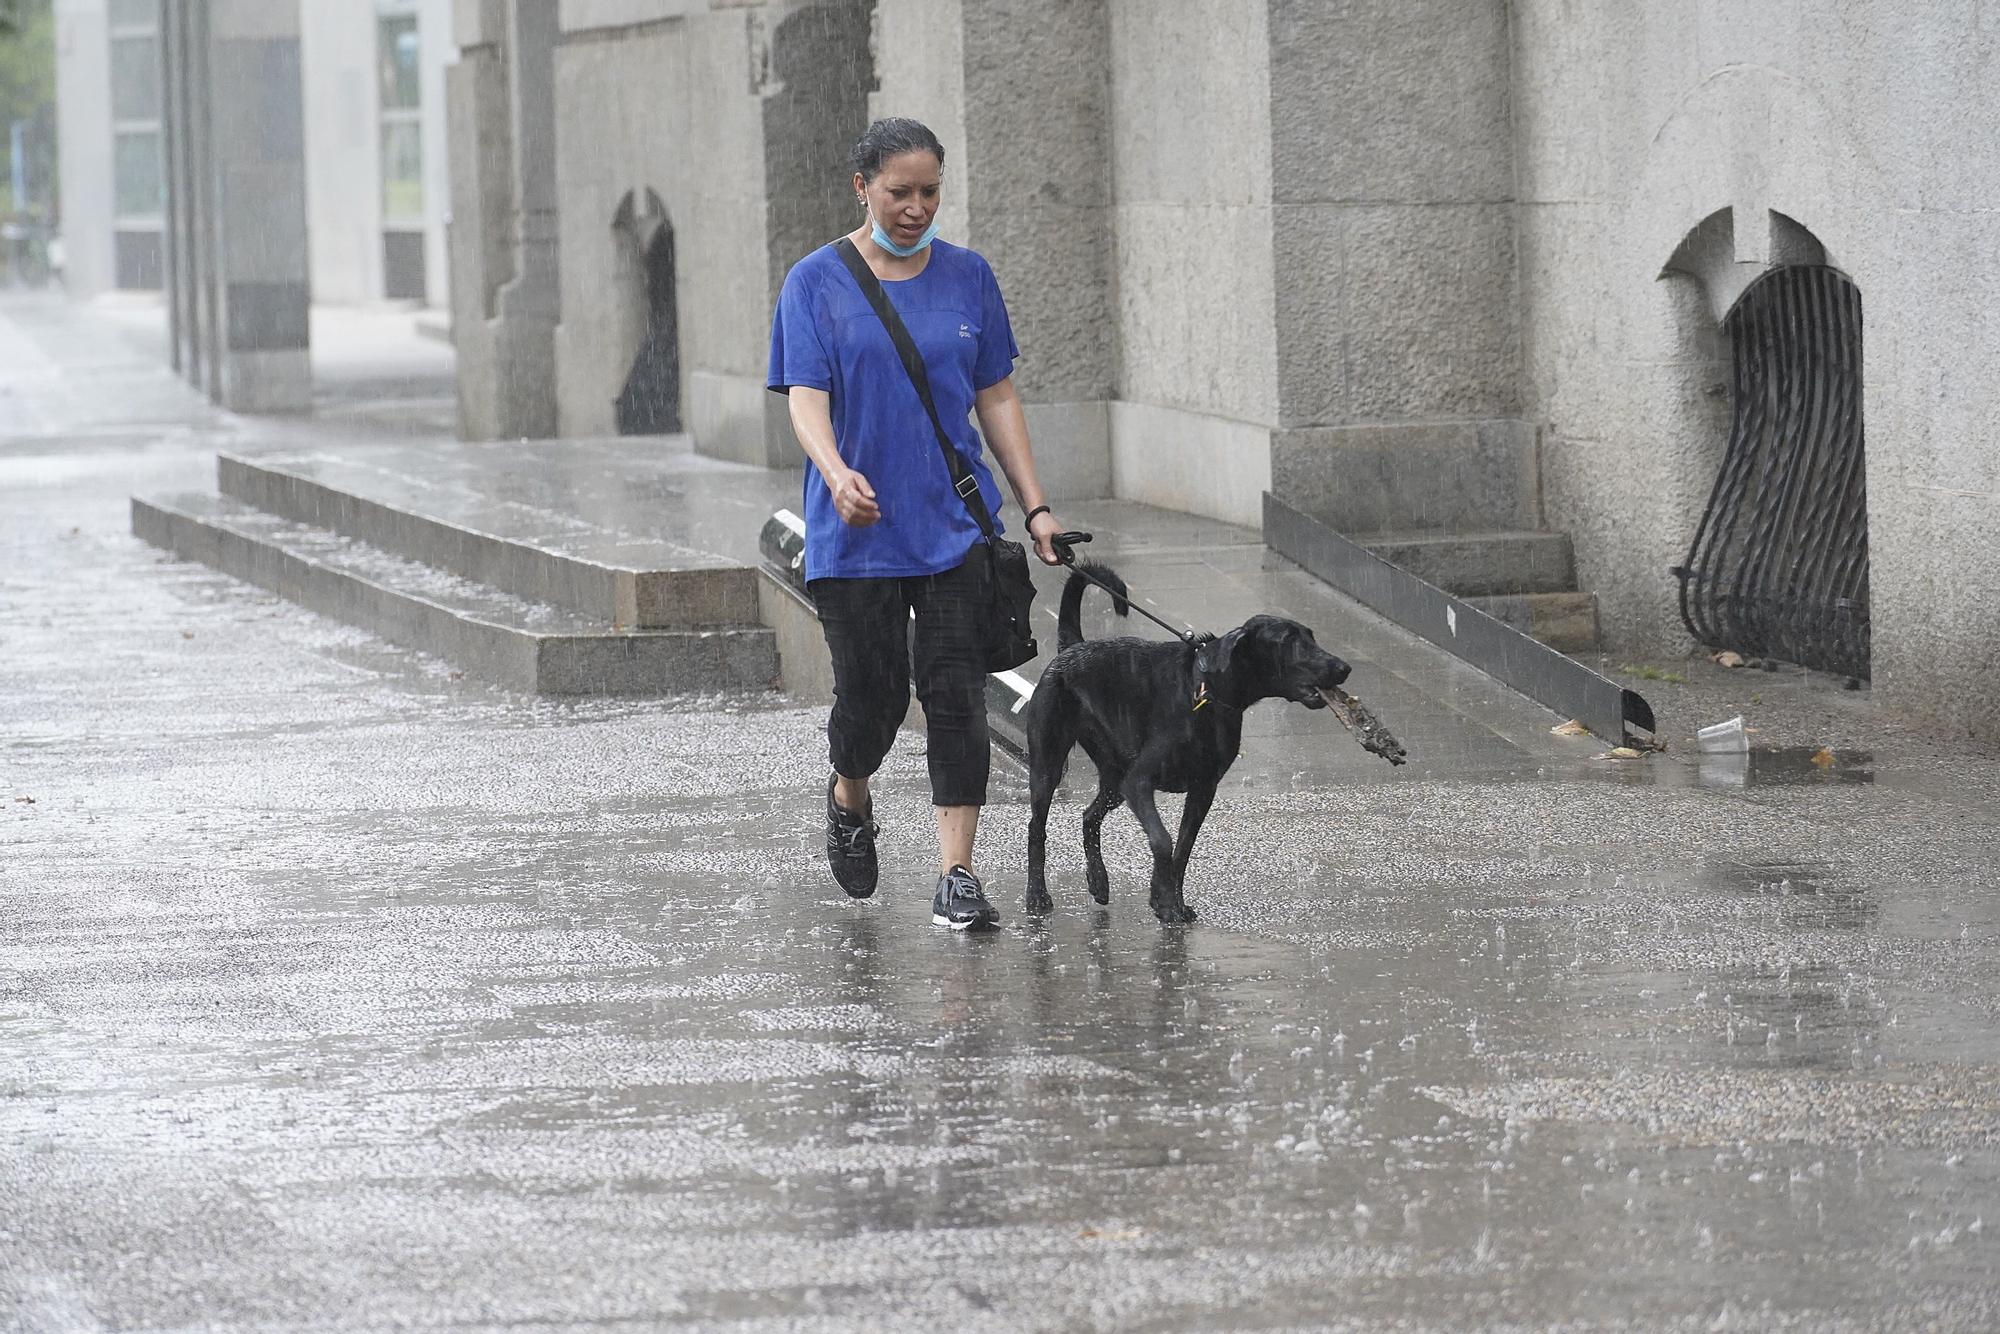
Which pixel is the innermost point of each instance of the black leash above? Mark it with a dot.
(1062, 542)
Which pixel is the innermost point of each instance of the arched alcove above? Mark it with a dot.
(650, 401)
(1778, 566)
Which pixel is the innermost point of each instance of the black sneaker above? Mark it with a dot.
(850, 847)
(960, 903)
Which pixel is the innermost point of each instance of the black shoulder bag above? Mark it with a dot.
(1010, 639)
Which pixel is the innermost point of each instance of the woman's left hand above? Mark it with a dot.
(1043, 527)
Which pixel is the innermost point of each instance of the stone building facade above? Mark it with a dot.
(1420, 263)
(370, 74)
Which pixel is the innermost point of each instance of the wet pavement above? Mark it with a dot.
(339, 992)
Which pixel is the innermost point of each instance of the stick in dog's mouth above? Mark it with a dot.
(1367, 728)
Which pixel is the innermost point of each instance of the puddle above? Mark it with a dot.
(1813, 895)
(1786, 766)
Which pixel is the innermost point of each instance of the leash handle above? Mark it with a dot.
(1062, 542)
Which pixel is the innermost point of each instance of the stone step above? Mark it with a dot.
(511, 544)
(492, 634)
(1480, 564)
(1566, 622)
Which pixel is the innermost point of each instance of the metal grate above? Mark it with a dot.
(1779, 566)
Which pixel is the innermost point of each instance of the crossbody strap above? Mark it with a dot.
(962, 480)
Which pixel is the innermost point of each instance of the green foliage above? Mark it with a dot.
(27, 58)
(27, 73)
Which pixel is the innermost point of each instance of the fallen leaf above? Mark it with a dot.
(1728, 658)
(1823, 758)
(187, 634)
(1624, 753)
(27, 801)
(1570, 728)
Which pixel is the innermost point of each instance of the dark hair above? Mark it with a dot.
(887, 138)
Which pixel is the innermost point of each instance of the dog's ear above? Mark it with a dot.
(1219, 656)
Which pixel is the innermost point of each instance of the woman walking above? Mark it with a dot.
(886, 534)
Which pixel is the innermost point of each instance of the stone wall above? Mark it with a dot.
(1872, 131)
(622, 108)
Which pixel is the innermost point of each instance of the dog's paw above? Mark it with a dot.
(1178, 915)
(1037, 903)
(1100, 886)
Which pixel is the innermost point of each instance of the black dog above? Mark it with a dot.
(1155, 716)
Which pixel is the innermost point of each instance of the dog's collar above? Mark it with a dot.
(1203, 697)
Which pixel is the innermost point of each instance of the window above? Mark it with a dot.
(401, 92)
(135, 78)
(397, 50)
(138, 186)
(402, 171)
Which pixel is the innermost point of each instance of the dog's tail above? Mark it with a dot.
(1069, 623)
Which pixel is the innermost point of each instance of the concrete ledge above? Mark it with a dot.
(735, 417)
(1072, 448)
(805, 668)
(260, 382)
(1185, 461)
(434, 325)
(708, 592)
(492, 635)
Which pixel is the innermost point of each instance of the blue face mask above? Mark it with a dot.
(881, 238)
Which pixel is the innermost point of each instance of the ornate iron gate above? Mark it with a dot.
(1779, 566)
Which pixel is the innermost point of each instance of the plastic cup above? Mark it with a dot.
(1723, 738)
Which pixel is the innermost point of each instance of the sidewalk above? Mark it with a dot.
(340, 993)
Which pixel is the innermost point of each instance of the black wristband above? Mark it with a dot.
(1029, 517)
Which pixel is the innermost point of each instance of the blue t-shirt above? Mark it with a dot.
(826, 336)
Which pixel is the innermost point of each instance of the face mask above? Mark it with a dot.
(881, 238)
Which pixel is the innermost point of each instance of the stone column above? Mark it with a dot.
(183, 346)
(1037, 179)
(506, 299)
(1398, 330)
(238, 278)
(1018, 91)
(1195, 283)
(813, 77)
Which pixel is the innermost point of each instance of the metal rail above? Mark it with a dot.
(1551, 679)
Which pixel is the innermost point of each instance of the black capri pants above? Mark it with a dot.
(867, 626)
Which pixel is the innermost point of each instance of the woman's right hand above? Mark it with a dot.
(854, 499)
